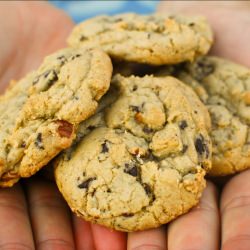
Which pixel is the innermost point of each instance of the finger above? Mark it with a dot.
(15, 230)
(221, 15)
(28, 36)
(198, 229)
(50, 216)
(83, 234)
(235, 213)
(105, 239)
(153, 239)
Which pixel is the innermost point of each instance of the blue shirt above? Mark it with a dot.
(80, 10)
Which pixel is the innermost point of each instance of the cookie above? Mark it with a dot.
(225, 89)
(154, 39)
(141, 161)
(40, 113)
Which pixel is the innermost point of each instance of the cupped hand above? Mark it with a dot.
(213, 224)
(33, 214)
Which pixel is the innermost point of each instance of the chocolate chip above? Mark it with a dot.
(64, 129)
(201, 146)
(191, 24)
(133, 171)
(38, 141)
(85, 184)
(82, 38)
(134, 88)
(147, 188)
(46, 73)
(135, 108)
(127, 214)
(91, 127)
(147, 130)
(23, 144)
(62, 57)
(105, 148)
(184, 148)
(75, 56)
(202, 69)
(183, 124)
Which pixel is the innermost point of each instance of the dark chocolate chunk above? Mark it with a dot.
(105, 148)
(135, 108)
(85, 184)
(134, 88)
(82, 38)
(62, 57)
(132, 171)
(202, 69)
(201, 146)
(183, 124)
(46, 73)
(75, 56)
(147, 130)
(91, 127)
(127, 214)
(51, 80)
(38, 141)
(147, 188)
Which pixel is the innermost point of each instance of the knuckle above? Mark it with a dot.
(49, 201)
(205, 206)
(148, 247)
(242, 240)
(241, 201)
(55, 244)
(16, 246)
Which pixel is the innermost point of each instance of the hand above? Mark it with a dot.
(33, 214)
(199, 229)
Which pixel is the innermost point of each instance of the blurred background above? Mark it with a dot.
(80, 10)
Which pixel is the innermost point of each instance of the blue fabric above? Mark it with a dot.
(80, 10)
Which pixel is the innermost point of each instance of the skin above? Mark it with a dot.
(214, 224)
(25, 207)
(221, 220)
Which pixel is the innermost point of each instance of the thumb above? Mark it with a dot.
(230, 21)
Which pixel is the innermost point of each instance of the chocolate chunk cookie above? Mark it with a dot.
(225, 89)
(154, 39)
(40, 113)
(141, 161)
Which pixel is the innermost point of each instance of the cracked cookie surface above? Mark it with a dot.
(154, 39)
(141, 161)
(40, 113)
(225, 89)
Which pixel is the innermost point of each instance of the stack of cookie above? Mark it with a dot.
(137, 143)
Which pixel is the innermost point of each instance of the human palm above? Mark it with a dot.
(33, 214)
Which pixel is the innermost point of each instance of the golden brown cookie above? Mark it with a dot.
(141, 161)
(40, 113)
